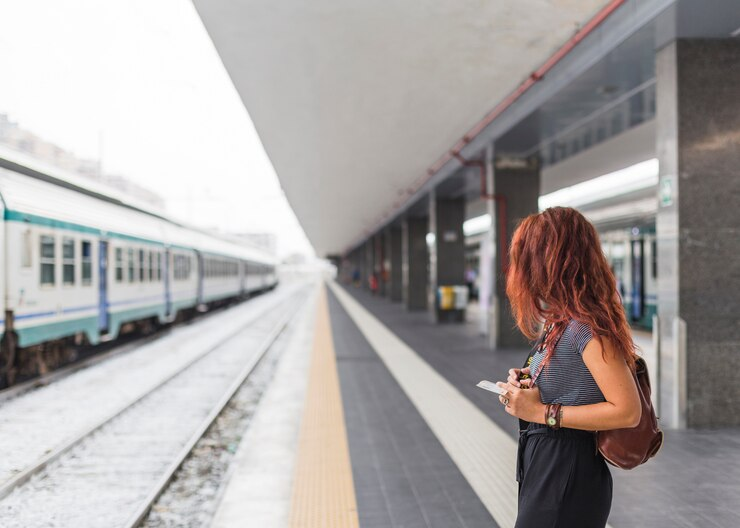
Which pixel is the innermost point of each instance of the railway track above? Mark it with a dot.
(110, 473)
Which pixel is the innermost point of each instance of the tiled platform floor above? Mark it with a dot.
(694, 481)
(403, 476)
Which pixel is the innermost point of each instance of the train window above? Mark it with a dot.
(142, 266)
(86, 262)
(159, 266)
(68, 261)
(182, 267)
(47, 260)
(130, 254)
(150, 255)
(119, 264)
(654, 258)
(26, 258)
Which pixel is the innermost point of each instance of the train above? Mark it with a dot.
(81, 266)
(632, 256)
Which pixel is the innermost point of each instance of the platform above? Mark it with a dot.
(424, 446)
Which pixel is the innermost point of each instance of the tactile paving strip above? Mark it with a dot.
(323, 491)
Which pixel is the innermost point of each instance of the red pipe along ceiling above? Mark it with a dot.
(533, 78)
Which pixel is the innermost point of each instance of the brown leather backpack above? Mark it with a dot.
(628, 448)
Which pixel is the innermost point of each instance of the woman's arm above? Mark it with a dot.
(622, 406)
(610, 371)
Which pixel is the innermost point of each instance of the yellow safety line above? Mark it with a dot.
(323, 491)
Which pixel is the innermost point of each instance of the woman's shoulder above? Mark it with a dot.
(577, 334)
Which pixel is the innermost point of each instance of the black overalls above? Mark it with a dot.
(564, 481)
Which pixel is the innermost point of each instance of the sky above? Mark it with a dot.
(140, 82)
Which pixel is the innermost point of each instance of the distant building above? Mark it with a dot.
(21, 140)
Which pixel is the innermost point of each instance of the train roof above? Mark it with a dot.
(42, 196)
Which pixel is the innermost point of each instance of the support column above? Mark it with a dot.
(379, 249)
(447, 253)
(356, 263)
(396, 263)
(368, 263)
(517, 184)
(414, 265)
(385, 290)
(698, 232)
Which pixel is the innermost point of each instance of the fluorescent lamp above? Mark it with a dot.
(633, 178)
(477, 225)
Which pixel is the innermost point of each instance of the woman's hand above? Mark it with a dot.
(523, 403)
(515, 375)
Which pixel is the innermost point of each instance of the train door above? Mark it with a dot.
(200, 278)
(167, 292)
(103, 285)
(638, 291)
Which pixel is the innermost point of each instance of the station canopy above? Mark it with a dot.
(355, 100)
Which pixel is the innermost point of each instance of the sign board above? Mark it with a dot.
(665, 193)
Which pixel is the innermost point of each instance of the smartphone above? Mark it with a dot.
(490, 386)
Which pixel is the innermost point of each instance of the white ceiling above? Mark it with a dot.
(354, 100)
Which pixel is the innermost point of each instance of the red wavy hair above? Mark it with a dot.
(557, 272)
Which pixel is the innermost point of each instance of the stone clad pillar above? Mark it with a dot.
(447, 266)
(386, 274)
(414, 263)
(698, 232)
(517, 184)
(396, 263)
(369, 263)
(379, 244)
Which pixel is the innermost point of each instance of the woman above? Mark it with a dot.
(579, 378)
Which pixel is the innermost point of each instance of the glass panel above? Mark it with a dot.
(68, 248)
(47, 260)
(131, 276)
(68, 274)
(86, 272)
(47, 273)
(68, 260)
(47, 246)
(86, 262)
(119, 265)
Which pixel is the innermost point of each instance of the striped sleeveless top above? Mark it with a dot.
(566, 378)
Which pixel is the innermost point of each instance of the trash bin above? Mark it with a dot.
(451, 303)
(446, 297)
(461, 297)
